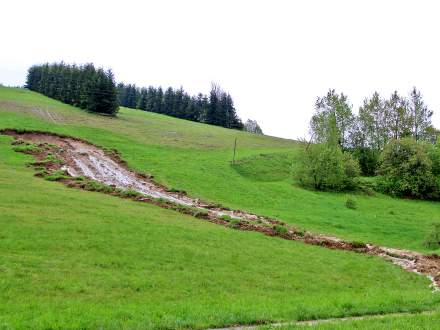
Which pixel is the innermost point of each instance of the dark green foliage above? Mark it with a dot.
(218, 109)
(326, 167)
(56, 176)
(226, 217)
(351, 204)
(199, 213)
(234, 223)
(81, 86)
(27, 148)
(406, 170)
(300, 233)
(98, 186)
(358, 245)
(333, 119)
(280, 229)
(130, 193)
(368, 160)
(434, 155)
(432, 241)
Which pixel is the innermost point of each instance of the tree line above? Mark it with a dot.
(82, 86)
(392, 138)
(378, 121)
(217, 108)
(94, 89)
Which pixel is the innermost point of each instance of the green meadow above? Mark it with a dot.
(74, 259)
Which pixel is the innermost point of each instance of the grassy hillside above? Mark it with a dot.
(196, 158)
(77, 259)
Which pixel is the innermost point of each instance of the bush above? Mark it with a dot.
(226, 217)
(434, 155)
(368, 160)
(351, 204)
(325, 167)
(280, 229)
(406, 170)
(234, 223)
(27, 148)
(130, 193)
(358, 245)
(432, 241)
(98, 186)
(56, 176)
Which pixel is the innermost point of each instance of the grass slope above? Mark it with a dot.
(76, 259)
(196, 158)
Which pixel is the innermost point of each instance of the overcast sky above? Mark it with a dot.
(274, 57)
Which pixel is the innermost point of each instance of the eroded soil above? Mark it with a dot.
(81, 164)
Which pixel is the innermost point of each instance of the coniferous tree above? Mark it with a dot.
(81, 86)
(168, 102)
(143, 98)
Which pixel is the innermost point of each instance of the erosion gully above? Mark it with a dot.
(79, 159)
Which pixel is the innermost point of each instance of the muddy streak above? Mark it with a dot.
(80, 158)
(311, 323)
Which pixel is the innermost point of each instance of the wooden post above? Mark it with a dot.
(235, 147)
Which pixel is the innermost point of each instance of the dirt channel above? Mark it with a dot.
(82, 163)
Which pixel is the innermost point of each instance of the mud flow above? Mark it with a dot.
(81, 159)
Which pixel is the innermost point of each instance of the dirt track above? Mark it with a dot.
(81, 159)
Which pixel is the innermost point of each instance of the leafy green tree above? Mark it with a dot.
(252, 126)
(324, 166)
(372, 121)
(327, 167)
(420, 116)
(406, 170)
(398, 117)
(332, 107)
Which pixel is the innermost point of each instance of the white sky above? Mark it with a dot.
(274, 57)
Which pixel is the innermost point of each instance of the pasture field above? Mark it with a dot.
(76, 259)
(197, 158)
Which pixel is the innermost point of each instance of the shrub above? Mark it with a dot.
(300, 233)
(234, 223)
(368, 160)
(280, 229)
(351, 172)
(98, 186)
(199, 213)
(434, 156)
(326, 167)
(27, 148)
(226, 217)
(50, 158)
(358, 245)
(129, 193)
(432, 241)
(406, 170)
(56, 176)
(351, 204)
